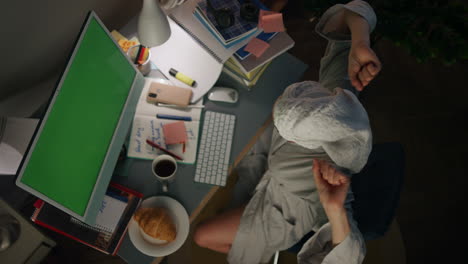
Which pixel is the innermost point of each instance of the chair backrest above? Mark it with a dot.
(376, 192)
(377, 189)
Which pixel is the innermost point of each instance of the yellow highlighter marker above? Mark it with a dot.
(182, 77)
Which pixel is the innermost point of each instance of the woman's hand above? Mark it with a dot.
(333, 186)
(363, 65)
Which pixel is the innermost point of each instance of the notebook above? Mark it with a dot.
(183, 16)
(147, 126)
(109, 215)
(278, 45)
(219, 38)
(106, 236)
(227, 36)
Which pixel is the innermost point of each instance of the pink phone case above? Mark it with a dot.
(168, 94)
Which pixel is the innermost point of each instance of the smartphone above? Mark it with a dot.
(168, 94)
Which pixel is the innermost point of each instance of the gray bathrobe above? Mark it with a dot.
(312, 120)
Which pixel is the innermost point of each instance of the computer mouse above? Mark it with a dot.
(223, 94)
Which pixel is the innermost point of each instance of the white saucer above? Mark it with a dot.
(181, 221)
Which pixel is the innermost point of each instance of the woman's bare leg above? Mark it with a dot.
(219, 232)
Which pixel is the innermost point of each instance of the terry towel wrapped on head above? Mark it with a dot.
(314, 117)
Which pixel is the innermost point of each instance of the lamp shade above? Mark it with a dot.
(153, 27)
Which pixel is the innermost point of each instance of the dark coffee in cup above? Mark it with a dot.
(164, 168)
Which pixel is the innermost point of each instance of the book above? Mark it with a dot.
(248, 84)
(183, 16)
(147, 126)
(227, 36)
(109, 214)
(281, 43)
(231, 65)
(107, 234)
(219, 38)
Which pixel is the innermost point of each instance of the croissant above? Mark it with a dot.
(157, 223)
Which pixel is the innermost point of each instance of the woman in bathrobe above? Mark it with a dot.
(321, 135)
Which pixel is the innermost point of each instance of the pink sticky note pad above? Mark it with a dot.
(175, 133)
(257, 47)
(272, 23)
(263, 13)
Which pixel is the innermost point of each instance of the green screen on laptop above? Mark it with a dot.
(72, 143)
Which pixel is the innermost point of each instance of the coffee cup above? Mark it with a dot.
(164, 167)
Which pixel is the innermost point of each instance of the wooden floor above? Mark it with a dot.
(422, 106)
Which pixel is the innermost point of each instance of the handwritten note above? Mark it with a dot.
(109, 214)
(145, 127)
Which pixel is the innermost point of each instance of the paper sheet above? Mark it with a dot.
(185, 55)
(14, 142)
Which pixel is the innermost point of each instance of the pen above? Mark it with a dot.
(174, 117)
(151, 143)
(182, 77)
(178, 106)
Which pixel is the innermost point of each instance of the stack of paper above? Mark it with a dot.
(248, 80)
(270, 23)
(249, 70)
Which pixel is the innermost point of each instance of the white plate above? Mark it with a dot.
(181, 221)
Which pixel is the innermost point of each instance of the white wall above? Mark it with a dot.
(36, 37)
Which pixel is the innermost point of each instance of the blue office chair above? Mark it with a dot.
(376, 191)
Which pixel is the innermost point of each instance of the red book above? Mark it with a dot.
(98, 237)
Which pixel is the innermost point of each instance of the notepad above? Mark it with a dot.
(271, 22)
(262, 14)
(175, 133)
(147, 126)
(257, 47)
(109, 214)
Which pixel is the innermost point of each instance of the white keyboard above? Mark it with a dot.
(215, 148)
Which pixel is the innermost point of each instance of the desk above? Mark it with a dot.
(252, 110)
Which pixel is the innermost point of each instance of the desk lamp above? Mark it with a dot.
(153, 27)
